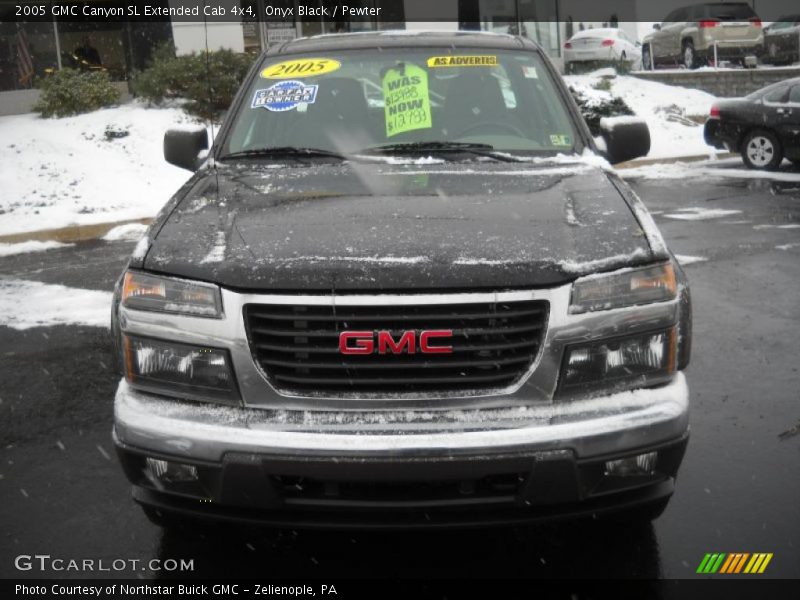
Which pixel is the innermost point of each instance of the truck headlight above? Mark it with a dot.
(636, 360)
(626, 287)
(180, 370)
(143, 291)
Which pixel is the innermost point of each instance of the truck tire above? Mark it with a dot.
(162, 518)
(761, 150)
(641, 515)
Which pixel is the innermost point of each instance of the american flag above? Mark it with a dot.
(24, 60)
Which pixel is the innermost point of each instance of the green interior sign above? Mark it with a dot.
(407, 105)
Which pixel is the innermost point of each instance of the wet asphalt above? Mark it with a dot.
(63, 493)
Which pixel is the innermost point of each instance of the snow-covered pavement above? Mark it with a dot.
(672, 113)
(61, 172)
(26, 304)
(731, 168)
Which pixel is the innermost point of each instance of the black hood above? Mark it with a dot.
(356, 226)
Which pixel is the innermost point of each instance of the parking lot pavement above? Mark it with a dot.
(64, 494)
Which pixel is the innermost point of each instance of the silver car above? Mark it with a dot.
(698, 35)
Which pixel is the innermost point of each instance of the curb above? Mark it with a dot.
(73, 233)
(83, 233)
(643, 162)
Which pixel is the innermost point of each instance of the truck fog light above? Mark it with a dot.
(641, 464)
(170, 472)
(182, 370)
(619, 362)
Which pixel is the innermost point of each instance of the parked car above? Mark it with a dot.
(782, 41)
(688, 36)
(601, 46)
(398, 313)
(764, 126)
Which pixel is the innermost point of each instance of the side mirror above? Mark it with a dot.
(656, 26)
(183, 146)
(625, 138)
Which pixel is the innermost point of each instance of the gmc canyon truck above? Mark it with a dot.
(402, 289)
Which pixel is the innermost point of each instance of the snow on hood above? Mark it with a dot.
(382, 226)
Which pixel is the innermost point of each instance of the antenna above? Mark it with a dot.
(210, 94)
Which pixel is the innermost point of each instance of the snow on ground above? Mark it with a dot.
(31, 246)
(666, 109)
(58, 172)
(704, 170)
(26, 304)
(685, 259)
(701, 214)
(130, 232)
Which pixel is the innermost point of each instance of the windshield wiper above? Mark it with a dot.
(470, 148)
(293, 151)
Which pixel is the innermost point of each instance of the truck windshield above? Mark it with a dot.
(396, 99)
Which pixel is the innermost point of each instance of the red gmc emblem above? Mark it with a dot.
(363, 342)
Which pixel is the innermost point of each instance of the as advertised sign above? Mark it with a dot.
(407, 105)
(462, 61)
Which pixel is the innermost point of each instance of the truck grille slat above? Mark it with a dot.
(400, 364)
(333, 333)
(355, 318)
(493, 346)
(457, 347)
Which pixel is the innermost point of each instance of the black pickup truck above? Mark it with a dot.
(403, 289)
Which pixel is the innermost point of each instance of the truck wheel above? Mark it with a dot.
(166, 520)
(761, 150)
(640, 515)
(650, 512)
(689, 55)
(646, 65)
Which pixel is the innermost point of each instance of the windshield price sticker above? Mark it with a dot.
(407, 105)
(462, 61)
(284, 96)
(306, 67)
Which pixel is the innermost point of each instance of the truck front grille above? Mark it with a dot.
(494, 345)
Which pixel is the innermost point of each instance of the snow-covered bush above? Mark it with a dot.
(72, 92)
(595, 108)
(206, 80)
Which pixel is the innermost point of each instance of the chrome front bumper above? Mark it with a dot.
(596, 427)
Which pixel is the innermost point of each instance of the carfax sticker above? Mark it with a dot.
(560, 140)
(406, 103)
(462, 61)
(305, 67)
(284, 96)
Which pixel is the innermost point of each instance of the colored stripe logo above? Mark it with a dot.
(734, 563)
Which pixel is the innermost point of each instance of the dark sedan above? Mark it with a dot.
(782, 41)
(764, 126)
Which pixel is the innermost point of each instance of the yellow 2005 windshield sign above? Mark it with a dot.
(462, 61)
(304, 67)
(407, 105)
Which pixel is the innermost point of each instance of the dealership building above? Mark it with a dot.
(31, 50)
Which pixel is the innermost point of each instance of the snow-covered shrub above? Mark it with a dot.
(594, 108)
(72, 92)
(206, 80)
